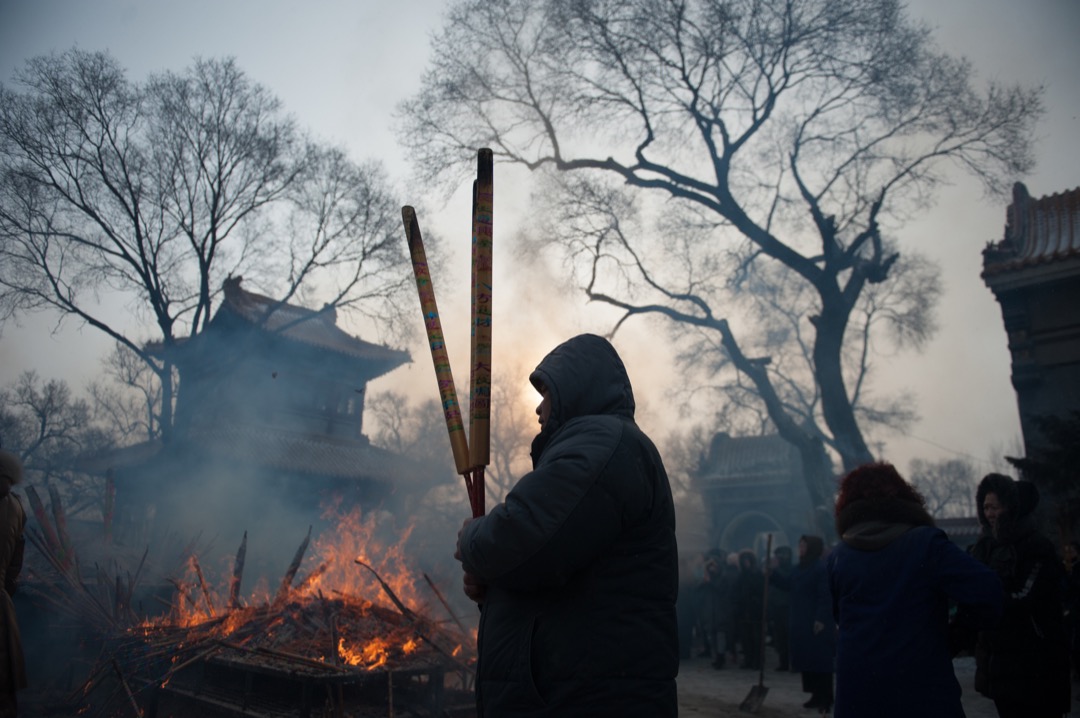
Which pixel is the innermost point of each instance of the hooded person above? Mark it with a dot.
(577, 569)
(891, 578)
(1022, 663)
(12, 542)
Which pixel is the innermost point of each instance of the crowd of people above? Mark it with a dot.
(724, 607)
(873, 622)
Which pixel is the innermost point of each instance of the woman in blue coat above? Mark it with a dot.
(892, 577)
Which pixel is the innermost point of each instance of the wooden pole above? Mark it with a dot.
(290, 573)
(237, 574)
(451, 409)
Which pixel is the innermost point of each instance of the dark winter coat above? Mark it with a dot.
(749, 590)
(717, 602)
(1025, 657)
(580, 560)
(12, 524)
(891, 579)
(811, 601)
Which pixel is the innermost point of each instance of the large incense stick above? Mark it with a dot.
(480, 374)
(451, 410)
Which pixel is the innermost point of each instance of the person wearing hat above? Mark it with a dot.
(1022, 664)
(12, 524)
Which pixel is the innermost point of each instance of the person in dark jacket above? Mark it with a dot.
(1022, 663)
(749, 592)
(812, 628)
(717, 606)
(577, 570)
(780, 605)
(891, 578)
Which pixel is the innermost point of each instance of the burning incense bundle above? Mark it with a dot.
(469, 466)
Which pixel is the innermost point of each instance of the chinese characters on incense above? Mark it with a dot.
(471, 466)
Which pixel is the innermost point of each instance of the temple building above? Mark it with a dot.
(269, 413)
(753, 486)
(1034, 273)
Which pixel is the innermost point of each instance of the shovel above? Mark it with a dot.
(754, 699)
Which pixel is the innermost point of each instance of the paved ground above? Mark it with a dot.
(704, 691)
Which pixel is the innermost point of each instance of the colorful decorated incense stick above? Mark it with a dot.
(447, 393)
(471, 466)
(480, 374)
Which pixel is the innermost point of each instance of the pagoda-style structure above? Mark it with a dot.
(269, 414)
(1034, 273)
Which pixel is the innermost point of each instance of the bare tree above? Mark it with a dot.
(130, 400)
(948, 486)
(419, 431)
(768, 138)
(413, 430)
(684, 454)
(159, 190)
(47, 427)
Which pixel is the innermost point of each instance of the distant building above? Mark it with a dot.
(1034, 273)
(753, 486)
(269, 415)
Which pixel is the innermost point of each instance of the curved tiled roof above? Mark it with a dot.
(1037, 231)
(743, 458)
(315, 327)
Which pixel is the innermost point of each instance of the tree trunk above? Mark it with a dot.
(816, 467)
(836, 404)
(167, 395)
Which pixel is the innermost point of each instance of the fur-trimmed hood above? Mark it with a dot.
(872, 524)
(1018, 497)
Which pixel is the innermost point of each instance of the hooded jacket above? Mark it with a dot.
(1024, 658)
(891, 579)
(580, 560)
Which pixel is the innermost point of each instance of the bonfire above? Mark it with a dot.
(354, 636)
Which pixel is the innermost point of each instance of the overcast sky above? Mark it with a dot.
(341, 67)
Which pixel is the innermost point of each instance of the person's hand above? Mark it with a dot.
(475, 589)
(818, 627)
(457, 548)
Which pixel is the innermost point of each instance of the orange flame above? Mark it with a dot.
(331, 571)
